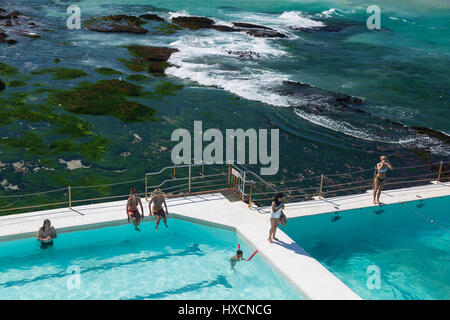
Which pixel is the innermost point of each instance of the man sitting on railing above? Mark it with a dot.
(132, 209)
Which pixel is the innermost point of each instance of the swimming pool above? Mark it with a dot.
(185, 261)
(398, 251)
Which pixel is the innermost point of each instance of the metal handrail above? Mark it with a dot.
(242, 184)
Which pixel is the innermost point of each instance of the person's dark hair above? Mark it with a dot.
(45, 221)
(132, 190)
(239, 252)
(278, 196)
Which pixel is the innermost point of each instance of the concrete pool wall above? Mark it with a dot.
(298, 267)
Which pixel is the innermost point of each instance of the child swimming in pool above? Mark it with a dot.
(236, 258)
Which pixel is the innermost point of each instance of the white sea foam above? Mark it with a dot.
(333, 12)
(204, 60)
(297, 19)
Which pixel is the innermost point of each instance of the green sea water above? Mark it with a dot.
(401, 72)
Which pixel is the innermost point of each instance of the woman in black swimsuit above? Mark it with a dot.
(378, 182)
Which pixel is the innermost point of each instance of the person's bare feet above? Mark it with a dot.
(276, 239)
(270, 240)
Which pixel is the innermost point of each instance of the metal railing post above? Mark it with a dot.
(229, 175)
(321, 185)
(70, 198)
(250, 195)
(189, 179)
(146, 187)
(439, 174)
(243, 187)
(203, 168)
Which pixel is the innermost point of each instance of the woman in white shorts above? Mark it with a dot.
(277, 207)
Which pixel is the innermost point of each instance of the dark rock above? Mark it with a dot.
(244, 54)
(2, 85)
(11, 41)
(265, 33)
(152, 59)
(250, 26)
(194, 23)
(116, 23)
(32, 24)
(433, 133)
(225, 28)
(325, 28)
(151, 16)
(9, 14)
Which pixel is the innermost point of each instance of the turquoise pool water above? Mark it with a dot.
(411, 253)
(185, 261)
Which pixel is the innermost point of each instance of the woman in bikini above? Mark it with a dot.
(378, 182)
(158, 199)
(277, 207)
(46, 234)
(132, 209)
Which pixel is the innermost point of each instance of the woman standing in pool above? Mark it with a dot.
(46, 234)
(277, 207)
(378, 182)
(158, 199)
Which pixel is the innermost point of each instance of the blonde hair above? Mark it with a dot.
(383, 158)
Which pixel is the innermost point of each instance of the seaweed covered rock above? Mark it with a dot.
(194, 23)
(151, 59)
(197, 23)
(151, 16)
(262, 33)
(324, 28)
(250, 26)
(116, 23)
(2, 85)
(105, 97)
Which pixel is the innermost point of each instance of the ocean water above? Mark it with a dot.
(185, 261)
(399, 251)
(401, 72)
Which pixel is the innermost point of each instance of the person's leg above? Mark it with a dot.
(271, 229)
(165, 219)
(380, 187)
(158, 217)
(375, 189)
(275, 227)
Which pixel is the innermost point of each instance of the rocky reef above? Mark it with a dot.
(116, 23)
(198, 23)
(148, 58)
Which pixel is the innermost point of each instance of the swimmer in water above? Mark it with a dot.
(236, 258)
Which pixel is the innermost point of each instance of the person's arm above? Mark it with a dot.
(142, 208)
(38, 236)
(165, 204)
(53, 236)
(389, 165)
(150, 205)
(273, 206)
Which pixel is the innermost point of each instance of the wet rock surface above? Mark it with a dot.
(325, 28)
(150, 59)
(14, 25)
(116, 23)
(2, 85)
(151, 16)
(197, 23)
(244, 54)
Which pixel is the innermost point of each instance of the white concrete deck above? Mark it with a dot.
(326, 205)
(306, 274)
